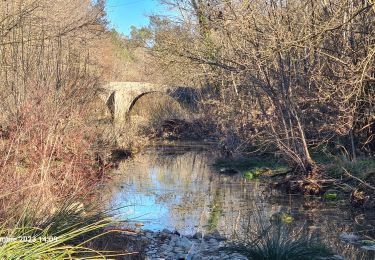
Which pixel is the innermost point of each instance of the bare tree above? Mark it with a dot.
(288, 74)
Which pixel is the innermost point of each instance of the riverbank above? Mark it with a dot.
(171, 245)
(338, 180)
(167, 245)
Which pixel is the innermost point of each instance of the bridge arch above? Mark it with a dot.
(155, 107)
(110, 102)
(140, 96)
(121, 98)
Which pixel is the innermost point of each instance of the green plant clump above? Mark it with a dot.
(282, 217)
(273, 241)
(254, 173)
(252, 167)
(330, 196)
(368, 242)
(63, 235)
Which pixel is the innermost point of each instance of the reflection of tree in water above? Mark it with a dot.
(199, 199)
(318, 221)
(216, 211)
(327, 222)
(209, 200)
(195, 184)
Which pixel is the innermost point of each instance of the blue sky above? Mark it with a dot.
(123, 14)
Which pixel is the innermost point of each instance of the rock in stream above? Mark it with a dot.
(168, 245)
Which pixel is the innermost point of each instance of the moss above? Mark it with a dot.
(254, 173)
(253, 167)
(216, 211)
(248, 175)
(368, 242)
(330, 196)
(287, 219)
(214, 218)
(282, 217)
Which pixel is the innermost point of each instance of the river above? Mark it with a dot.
(175, 187)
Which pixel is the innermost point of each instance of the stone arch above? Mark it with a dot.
(120, 97)
(155, 106)
(110, 102)
(139, 96)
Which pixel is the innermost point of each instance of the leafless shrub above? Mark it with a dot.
(289, 75)
(48, 85)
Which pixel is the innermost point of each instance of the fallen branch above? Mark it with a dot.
(358, 179)
(319, 182)
(280, 174)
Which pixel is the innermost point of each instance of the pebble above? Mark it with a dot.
(349, 237)
(167, 245)
(184, 242)
(369, 248)
(198, 235)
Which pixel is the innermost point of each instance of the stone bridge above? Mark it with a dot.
(121, 96)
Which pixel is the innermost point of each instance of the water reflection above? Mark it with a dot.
(177, 189)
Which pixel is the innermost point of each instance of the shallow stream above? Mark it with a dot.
(176, 188)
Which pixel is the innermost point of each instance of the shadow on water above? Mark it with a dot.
(176, 188)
